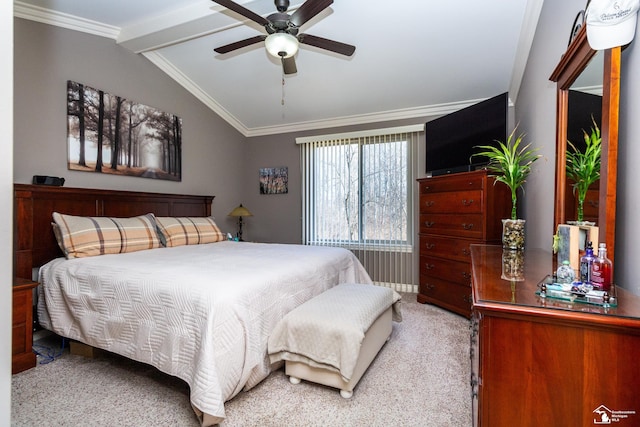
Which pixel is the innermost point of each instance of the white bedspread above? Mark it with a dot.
(202, 313)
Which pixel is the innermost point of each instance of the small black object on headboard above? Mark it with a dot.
(48, 180)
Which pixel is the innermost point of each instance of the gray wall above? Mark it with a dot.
(536, 114)
(47, 56)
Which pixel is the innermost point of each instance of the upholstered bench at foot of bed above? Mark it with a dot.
(357, 318)
(374, 339)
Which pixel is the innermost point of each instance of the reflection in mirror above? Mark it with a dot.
(571, 66)
(583, 110)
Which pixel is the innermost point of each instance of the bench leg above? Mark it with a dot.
(346, 394)
(294, 380)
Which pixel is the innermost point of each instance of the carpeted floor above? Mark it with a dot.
(419, 378)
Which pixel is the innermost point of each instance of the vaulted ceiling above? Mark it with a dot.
(413, 58)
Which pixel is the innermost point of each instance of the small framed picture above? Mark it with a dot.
(274, 180)
(573, 242)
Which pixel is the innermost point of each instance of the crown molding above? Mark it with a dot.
(71, 22)
(379, 117)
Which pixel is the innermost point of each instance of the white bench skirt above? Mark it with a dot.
(333, 338)
(374, 339)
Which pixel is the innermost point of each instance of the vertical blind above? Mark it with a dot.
(357, 193)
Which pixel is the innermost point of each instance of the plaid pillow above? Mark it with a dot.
(178, 231)
(83, 236)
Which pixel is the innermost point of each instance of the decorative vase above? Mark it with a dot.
(513, 234)
(512, 265)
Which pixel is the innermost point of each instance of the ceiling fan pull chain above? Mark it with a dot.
(282, 101)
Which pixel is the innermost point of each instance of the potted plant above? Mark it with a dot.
(584, 167)
(510, 163)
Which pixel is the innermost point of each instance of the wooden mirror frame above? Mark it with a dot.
(572, 63)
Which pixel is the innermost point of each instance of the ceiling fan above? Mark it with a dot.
(282, 39)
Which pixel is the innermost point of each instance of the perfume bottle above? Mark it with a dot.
(601, 270)
(565, 273)
(585, 264)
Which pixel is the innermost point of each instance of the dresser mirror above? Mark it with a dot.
(584, 112)
(574, 76)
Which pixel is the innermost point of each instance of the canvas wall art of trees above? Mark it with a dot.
(274, 180)
(110, 134)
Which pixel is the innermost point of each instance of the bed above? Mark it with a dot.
(201, 312)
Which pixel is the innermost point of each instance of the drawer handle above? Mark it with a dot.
(474, 381)
(466, 252)
(467, 226)
(473, 327)
(466, 202)
(430, 246)
(474, 387)
(593, 203)
(430, 286)
(429, 266)
(466, 275)
(429, 224)
(467, 298)
(429, 203)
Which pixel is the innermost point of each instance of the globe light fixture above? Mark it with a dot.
(281, 45)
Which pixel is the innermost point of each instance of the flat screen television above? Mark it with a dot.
(451, 139)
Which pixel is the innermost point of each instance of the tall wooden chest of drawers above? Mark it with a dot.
(455, 211)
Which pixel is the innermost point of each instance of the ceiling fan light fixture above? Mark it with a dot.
(281, 45)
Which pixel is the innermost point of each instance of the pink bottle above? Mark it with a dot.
(601, 270)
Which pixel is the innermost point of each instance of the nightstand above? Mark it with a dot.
(22, 355)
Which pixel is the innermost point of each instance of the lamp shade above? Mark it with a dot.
(281, 45)
(240, 211)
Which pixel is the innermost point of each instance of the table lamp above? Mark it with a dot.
(240, 211)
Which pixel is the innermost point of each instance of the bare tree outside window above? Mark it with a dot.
(384, 186)
(358, 192)
(361, 192)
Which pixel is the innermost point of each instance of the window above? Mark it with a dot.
(357, 193)
(357, 190)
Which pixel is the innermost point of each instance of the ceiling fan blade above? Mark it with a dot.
(242, 11)
(239, 44)
(322, 43)
(308, 10)
(289, 65)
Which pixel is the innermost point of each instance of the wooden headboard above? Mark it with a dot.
(34, 242)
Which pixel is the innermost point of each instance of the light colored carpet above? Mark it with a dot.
(419, 378)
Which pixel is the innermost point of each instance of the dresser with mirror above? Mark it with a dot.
(537, 360)
(578, 72)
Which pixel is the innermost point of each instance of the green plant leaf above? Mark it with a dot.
(510, 163)
(584, 167)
